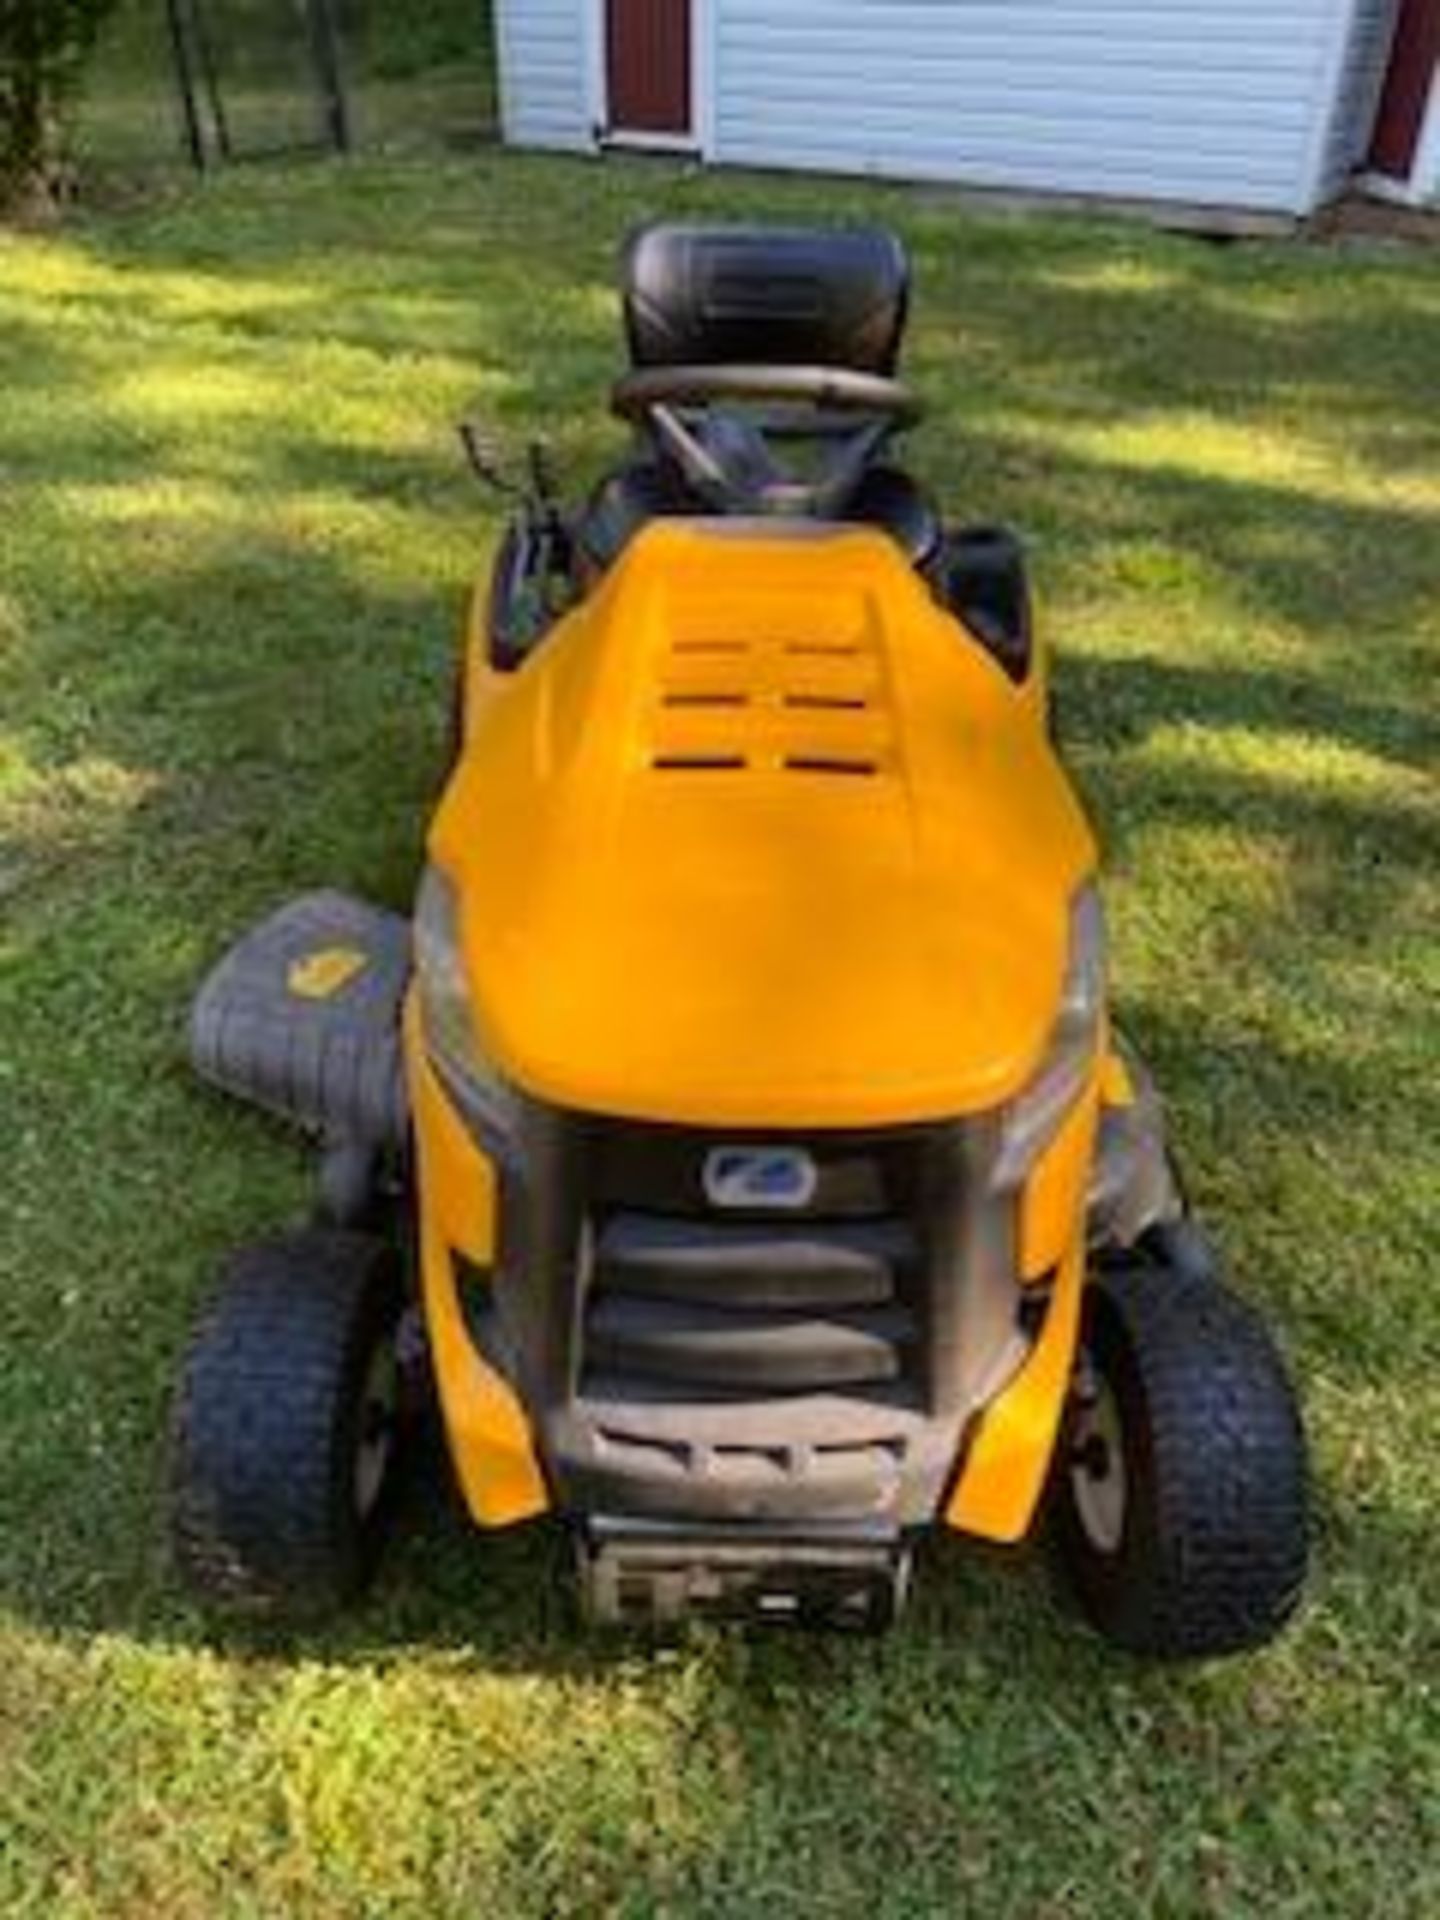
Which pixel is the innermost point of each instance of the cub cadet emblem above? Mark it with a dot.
(783, 1178)
(322, 974)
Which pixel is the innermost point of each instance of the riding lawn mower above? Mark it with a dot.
(737, 1136)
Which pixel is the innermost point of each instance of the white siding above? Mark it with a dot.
(1261, 104)
(1425, 180)
(1355, 94)
(543, 49)
(1150, 99)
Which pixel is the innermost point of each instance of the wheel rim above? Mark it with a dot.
(377, 1428)
(1098, 1481)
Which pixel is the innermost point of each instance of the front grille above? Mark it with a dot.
(772, 1362)
(751, 1309)
(763, 1361)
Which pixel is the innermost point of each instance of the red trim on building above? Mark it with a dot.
(647, 62)
(1413, 58)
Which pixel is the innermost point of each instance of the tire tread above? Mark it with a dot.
(259, 1519)
(1218, 1562)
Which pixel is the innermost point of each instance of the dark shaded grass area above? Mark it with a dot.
(233, 543)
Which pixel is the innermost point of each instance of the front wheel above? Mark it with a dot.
(287, 1422)
(1180, 1508)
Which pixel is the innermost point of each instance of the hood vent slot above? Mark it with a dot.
(828, 702)
(830, 763)
(809, 702)
(699, 762)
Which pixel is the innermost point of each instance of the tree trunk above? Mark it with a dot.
(29, 133)
(30, 175)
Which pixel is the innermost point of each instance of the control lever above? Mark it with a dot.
(485, 453)
(543, 586)
(486, 457)
(542, 475)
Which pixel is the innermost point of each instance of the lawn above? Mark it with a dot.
(233, 542)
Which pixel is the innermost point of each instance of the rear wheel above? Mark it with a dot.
(287, 1424)
(1180, 1496)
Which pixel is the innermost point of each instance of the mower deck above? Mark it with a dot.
(302, 1018)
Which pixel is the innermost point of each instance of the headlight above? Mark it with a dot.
(1034, 1118)
(445, 1012)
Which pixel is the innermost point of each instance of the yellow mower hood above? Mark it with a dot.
(758, 839)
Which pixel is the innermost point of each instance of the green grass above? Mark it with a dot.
(233, 539)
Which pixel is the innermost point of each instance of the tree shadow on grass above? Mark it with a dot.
(1117, 704)
(1040, 321)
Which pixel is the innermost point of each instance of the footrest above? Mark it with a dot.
(302, 1018)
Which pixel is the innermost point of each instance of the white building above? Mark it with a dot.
(1265, 107)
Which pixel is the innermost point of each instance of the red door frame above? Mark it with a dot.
(648, 54)
(1400, 118)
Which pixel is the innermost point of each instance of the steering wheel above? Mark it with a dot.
(726, 459)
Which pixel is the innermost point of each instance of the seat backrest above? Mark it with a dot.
(765, 296)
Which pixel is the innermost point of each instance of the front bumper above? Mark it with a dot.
(547, 1364)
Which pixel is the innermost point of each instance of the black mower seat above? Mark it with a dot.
(765, 296)
(759, 296)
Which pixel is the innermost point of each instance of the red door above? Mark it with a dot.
(1407, 88)
(647, 64)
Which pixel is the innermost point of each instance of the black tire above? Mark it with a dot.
(283, 1457)
(1204, 1549)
